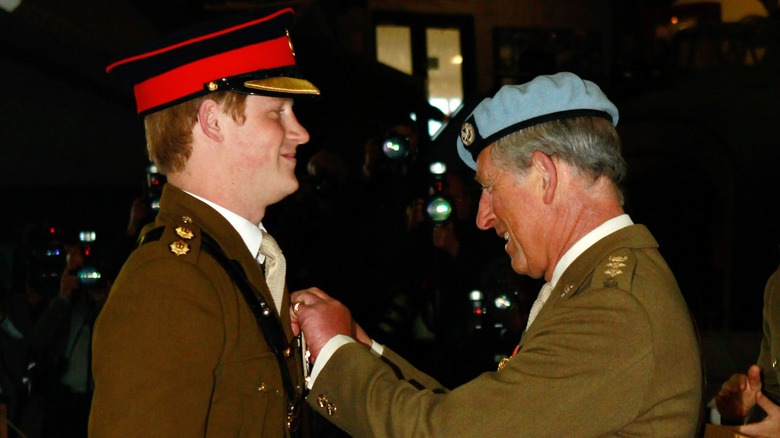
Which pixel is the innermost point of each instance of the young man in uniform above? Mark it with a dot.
(195, 337)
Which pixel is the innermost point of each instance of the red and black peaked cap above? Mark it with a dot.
(247, 54)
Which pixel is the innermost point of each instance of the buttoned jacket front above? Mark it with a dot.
(177, 351)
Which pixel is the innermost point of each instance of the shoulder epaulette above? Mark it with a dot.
(181, 237)
(616, 270)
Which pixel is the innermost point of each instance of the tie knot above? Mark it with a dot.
(269, 247)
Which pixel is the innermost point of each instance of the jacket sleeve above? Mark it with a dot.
(770, 344)
(582, 374)
(156, 346)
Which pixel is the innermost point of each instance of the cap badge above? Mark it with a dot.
(179, 248)
(184, 233)
(467, 134)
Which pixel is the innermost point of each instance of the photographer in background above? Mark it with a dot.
(61, 343)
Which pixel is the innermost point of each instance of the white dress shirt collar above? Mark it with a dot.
(251, 234)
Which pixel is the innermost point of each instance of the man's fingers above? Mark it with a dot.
(771, 409)
(737, 382)
(307, 295)
(754, 377)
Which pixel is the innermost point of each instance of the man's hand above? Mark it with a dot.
(738, 395)
(320, 317)
(769, 427)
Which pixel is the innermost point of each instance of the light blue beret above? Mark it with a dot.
(516, 107)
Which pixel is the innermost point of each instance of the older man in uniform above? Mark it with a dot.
(610, 349)
(191, 341)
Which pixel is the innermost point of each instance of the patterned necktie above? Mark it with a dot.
(540, 300)
(275, 268)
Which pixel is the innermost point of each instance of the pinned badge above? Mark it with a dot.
(179, 247)
(502, 364)
(467, 134)
(184, 232)
(186, 219)
(323, 402)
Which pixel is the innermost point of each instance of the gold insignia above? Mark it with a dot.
(179, 248)
(467, 134)
(502, 364)
(613, 272)
(567, 289)
(289, 41)
(186, 219)
(184, 232)
(212, 86)
(616, 262)
(323, 402)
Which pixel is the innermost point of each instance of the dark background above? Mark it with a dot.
(699, 118)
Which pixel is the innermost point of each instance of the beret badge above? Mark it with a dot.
(467, 134)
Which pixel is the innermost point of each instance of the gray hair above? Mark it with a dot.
(589, 144)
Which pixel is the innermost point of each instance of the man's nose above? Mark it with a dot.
(297, 132)
(485, 216)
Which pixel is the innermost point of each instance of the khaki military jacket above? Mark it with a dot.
(770, 344)
(613, 352)
(176, 351)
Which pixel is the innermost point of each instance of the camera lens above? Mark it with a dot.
(88, 276)
(439, 209)
(395, 148)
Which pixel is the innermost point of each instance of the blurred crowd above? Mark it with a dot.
(60, 279)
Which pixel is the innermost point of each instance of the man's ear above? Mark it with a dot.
(209, 120)
(546, 167)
